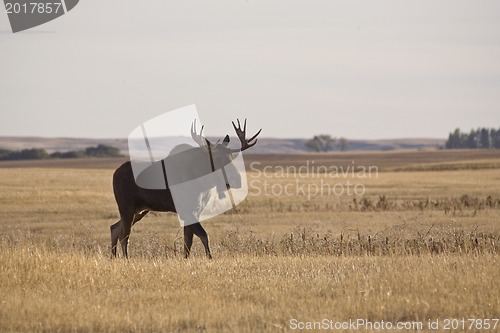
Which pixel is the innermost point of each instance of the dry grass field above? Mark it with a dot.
(415, 240)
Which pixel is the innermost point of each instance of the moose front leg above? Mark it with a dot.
(188, 240)
(195, 229)
(202, 234)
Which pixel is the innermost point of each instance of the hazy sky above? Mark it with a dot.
(358, 69)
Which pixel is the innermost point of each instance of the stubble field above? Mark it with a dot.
(415, 239)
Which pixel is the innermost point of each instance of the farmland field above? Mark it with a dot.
(405, 237)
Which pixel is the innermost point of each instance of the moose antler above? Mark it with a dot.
(198, 138)
(245, 144)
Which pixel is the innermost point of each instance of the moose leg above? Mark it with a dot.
(138, 217)
(188, 240)
(125, 233)
(202, 234)
(115, 233)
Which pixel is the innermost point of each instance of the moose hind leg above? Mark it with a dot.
(115, 234)
(202, 234)
(125, 233)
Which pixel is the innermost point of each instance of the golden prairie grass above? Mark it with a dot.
(415, 246)
(48, 291)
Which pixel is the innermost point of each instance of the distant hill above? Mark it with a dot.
(265, 145)
(59, 144)
(396, 144)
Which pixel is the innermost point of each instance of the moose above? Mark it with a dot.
(135, 202)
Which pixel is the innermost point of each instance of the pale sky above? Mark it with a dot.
(357, 69)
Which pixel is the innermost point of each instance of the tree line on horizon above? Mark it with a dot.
(42, 154)
(484, 138)
(477, 138)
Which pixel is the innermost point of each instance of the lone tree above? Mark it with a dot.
(321, 143)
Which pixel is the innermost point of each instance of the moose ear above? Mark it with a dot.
(225, 142)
